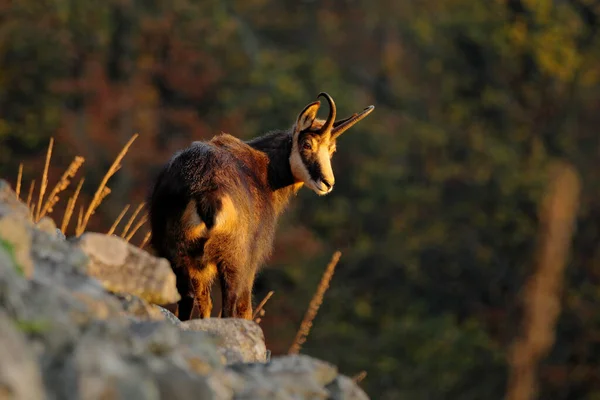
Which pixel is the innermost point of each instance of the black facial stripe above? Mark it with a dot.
(312, 166)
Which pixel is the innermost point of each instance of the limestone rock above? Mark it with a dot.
(47, 225)
(241, 340)
(343, 388)
(14, 233)
(20, 377)
(139, 308)
(66, 334)
(168, 315)
(285, 377)
(9, 204)
(124, 268)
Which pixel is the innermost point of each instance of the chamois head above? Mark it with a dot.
(313, 144)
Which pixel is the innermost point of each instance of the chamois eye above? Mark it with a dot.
(306, 145)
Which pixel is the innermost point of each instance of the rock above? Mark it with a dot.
(15, 234)
(61, 263)
(168, 315)
(20, 377)
(180, 385)
(13, 285)
(9, 204)
(124, 268)
(286, 377)
(47, 225)
(77, 322)
(241, 340)
(139, 308)
(98, 368)
(343, 388)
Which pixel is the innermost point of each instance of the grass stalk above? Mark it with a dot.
(101, 190)
(44, 182)
(314, 305)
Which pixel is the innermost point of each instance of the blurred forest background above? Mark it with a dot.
(436, 202)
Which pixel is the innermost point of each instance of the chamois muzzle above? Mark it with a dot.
(343, 125)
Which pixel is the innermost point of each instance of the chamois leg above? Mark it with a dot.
(237, 295)
(201, 284)
(186, 304)
(244, 305)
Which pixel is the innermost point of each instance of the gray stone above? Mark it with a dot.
(15, 232)
(176, 384)
(343, 388)
(124, 268)
(47, 225)
(286, 377)
(20, 377)
(241, 340)
(65, 334)
(140, 309)
(9, 204)
(168, 315)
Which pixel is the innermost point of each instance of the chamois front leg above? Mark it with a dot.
(186, 304)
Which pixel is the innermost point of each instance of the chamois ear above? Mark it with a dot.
(307, 116)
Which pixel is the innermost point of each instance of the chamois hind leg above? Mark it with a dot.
(237, 296)
(201, 284)
(244, 304)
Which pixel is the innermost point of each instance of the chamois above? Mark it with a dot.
(214, 206)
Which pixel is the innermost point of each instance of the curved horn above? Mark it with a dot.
(341, 126)
(332, 111)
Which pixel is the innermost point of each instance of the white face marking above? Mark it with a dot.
(300, 171)
(298, 168)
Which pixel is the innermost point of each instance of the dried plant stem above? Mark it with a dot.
(131, 219)
(79, 220)
(314, 305)
(543, 289)
(62, 184)
(70, 208)
(146, 240)
(358, 378)
(137, 226)
(262, 304)
(19, 179)
(44, 182)
(101, 192)
(30, 195)
(118, 220)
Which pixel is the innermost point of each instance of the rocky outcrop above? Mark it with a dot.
(124, 268)
(72, 326)
(240, 341)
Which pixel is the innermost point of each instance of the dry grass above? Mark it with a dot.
(70, 207)
(44, 181)
(102, 191)
(145, 240)
(63, 183)
(131, 220)
(30, 195)
(314, 305)
(259, 312)
(137, 226)
(118, 220)
(542, 292)
(358, 378)
(44, 206)
(19, 179)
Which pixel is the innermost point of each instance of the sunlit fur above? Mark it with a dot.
(214, 206)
